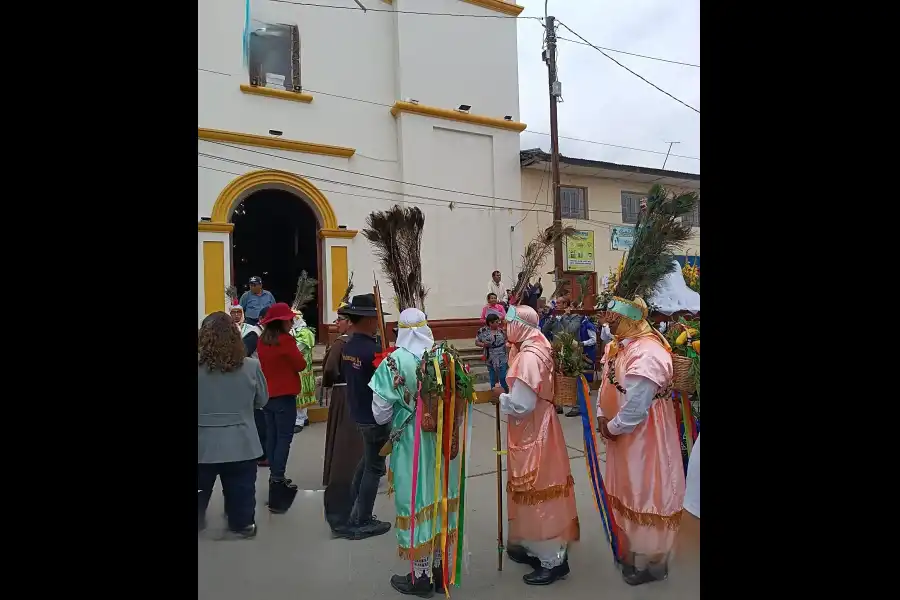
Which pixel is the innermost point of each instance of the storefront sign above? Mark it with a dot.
(580, 251)
(622, 237)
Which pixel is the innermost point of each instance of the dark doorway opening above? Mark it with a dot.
(275, 238)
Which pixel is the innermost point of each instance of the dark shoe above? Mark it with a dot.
(519, 555)
(574, 413)
(559, 410)
(373, 527)
(437, 575)
(281, 495)
(405, 584)
(545, 576)
(634, 576)
(241, 534)
(298, 428)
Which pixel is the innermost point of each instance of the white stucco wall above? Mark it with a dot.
(380, 58)
(605, 205)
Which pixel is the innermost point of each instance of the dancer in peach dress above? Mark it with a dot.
(540, 490)
(644, 472)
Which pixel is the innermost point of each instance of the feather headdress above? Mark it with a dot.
(396, 238)
(231, 295)
(536, 252)
(306, 291)
(345, 299)
(658, 233)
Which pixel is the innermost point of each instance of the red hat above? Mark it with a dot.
(278, 312)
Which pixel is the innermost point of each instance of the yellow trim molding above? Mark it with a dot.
(213, 276)
(455, 115)
(340, 274)
(348, 234)
(232, 193)
(498, 5)
(250, 139)
(273, 93)
(215, 227)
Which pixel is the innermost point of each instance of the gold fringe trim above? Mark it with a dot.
(427, 548)
(426, 514)
(532, 497)
(521, 484)
(645, 519)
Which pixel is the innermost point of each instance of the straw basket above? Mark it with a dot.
(682, 380)
(565, 390)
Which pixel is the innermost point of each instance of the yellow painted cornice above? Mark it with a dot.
(250, 139)
(338, 233)
(273, 93)
(215, 227)
(498, 5)
(455, 115)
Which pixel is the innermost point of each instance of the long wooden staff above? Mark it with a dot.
(499, 493)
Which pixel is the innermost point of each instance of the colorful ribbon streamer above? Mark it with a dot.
(463, 471)
(445, 488)
(417, 446)
(592, 458)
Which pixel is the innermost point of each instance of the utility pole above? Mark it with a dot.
(555, 89)
(667, 153)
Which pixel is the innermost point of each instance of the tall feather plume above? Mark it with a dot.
(536, 252)
(658, 233)
(346, 297)
(306, 291)
(396, 238)
(231, 293)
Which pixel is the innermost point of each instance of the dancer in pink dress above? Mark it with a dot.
(540, 490)
(644, 470)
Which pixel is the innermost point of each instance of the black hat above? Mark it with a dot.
(255, 280)
(361, 306)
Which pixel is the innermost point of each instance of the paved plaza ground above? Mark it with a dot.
(294, 557)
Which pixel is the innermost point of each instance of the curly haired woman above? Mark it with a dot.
(229, 387)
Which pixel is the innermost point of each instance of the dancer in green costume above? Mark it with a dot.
(305, 337)
(395, 384)
(411, 378)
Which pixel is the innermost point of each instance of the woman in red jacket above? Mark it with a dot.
(281, 363)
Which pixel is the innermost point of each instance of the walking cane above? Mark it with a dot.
(499, 451)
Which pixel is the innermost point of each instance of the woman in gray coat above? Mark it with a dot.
(229, 387)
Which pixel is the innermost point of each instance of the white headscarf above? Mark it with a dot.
(413, 332)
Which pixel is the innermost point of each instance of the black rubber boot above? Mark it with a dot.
(406, 585)
(545, 576)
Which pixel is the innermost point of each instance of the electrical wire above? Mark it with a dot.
(641, 77)
(665, 60)
(562, 137)
(405, 12)
(440, 202)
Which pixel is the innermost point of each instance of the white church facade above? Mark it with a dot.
(312, 117)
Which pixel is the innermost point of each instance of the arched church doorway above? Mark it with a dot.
(275, 238)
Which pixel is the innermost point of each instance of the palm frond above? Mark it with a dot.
(231, 293)
(659, 232)
(306, 291)
(346, 297)
(536, 253)
(396, 238)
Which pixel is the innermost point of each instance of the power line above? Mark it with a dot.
(665, 60)
(641, 77)
(376, 103)
(440, 201)
(312, 164)
(406, 12)
(613, 145)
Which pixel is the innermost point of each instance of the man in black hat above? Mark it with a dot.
(254, 300)
(357, 369)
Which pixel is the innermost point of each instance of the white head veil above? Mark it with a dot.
(413, 332)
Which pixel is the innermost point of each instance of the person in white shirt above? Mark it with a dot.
(497, 287)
